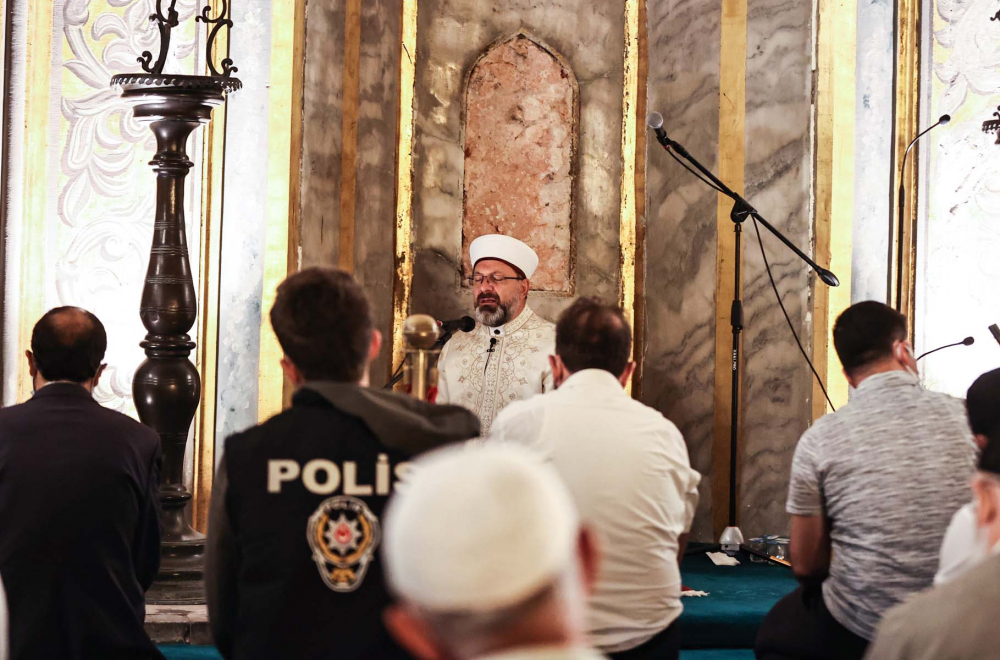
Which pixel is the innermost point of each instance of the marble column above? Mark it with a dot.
(776, 379)
(679, 378)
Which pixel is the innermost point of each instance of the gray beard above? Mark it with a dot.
(497, 317)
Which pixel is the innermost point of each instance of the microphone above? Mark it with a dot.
(901, 204)
(464, 324)
(996, 332)
(968, 341)
(655, 121)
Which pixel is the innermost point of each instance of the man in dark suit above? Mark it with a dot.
(79, 512)
(293, 569)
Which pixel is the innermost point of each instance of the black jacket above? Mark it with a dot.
(293, 568)
(79, 526)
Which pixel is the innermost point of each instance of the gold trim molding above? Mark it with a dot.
(834, 188)
(403, 277)
(36, 176)
(212, 178)
(906, 118)
(732, 134)
(627, 216)
(284, 156)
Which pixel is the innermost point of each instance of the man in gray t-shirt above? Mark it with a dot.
(872, 489)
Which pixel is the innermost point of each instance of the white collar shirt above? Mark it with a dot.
(547, 653)
(628, 471)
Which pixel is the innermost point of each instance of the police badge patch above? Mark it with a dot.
(343, 534)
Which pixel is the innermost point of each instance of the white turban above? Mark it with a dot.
(479, 528)
(504, 248)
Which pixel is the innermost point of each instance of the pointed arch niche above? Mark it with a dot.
(521, 121)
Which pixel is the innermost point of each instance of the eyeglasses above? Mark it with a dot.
(494, 278)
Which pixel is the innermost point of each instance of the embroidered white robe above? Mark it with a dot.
(485, 381)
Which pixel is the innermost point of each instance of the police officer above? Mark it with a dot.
(293, 568)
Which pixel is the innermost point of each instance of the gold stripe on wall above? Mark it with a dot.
(639, 317)
(907, 105)
(349, 133)
(836, 58)
(283, 161)
(403, 277)
(36, 177)
(732, 156)
(627, 216)
(213, 160)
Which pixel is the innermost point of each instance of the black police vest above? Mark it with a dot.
(307, 491)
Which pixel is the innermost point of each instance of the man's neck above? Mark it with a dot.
(875, 370)
(40, 382)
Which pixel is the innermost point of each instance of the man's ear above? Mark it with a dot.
(627, 374)
(980, 440)
(559, 373)
(375, 346)
(589, 552)
(988, 509)
(32, 369)
(293, 373)
(411, 633)
(97, 376)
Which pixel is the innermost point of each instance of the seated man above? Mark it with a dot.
(485, 551)
(628, 471)
(291, 570)
(873, 486)
(957, 620)
(959, 552)
(79, 509)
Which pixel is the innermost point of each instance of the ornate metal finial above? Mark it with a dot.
(165, 24)
(220, 21)
(993, 125)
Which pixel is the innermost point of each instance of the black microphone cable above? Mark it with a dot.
(770, 276)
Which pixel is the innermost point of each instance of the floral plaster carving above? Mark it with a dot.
(100, 231)
(520, 138)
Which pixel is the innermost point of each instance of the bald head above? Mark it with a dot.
(592, 334)
(68, 344)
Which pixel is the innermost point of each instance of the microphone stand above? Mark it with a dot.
(968, 341)
(896, 231)
(398, 376)
(732, 536)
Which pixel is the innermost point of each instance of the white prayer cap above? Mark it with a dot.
(504, 248)
(478, 528)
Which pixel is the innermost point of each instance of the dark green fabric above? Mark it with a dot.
(739, 597)
(186, 652)
(717, 654)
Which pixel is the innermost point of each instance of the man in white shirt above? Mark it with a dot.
(486, 553)
(960, 550)
(627, 468)
(505, 358)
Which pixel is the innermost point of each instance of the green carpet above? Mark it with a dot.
(717, 654)
(739, 597)
(720, 626)
(185, 652)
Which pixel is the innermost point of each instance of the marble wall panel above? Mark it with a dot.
(872, 149)
(679, 371)
(374, 213)
(322, 144)
(451, 35)
(322, 118)
(776, 381)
